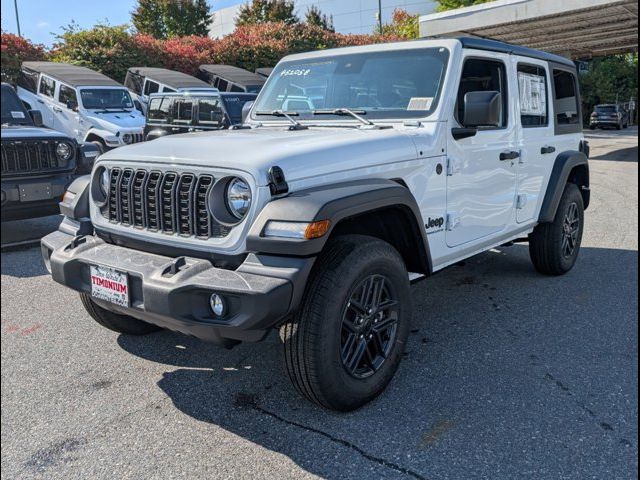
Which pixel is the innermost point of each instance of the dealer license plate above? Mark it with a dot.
(110, 285)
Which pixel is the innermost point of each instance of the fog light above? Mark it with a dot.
(218, 305)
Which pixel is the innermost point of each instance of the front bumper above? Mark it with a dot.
(259, 294)
(33, 197)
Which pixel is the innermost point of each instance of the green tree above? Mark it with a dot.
(265, 11)
(609, 80)
(403, 25)
(315, 17)
(444, 5)
(172, 18)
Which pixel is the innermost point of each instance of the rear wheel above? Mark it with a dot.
(554, 247)
(345, 344)
(116, 322)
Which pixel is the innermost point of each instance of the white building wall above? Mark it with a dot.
(349, 16)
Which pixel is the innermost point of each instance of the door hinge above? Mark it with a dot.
(453, 220)
(453, 167)
(521, 201)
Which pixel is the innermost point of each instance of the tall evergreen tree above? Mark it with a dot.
(315, 17)
(172, 18)
(264, 11)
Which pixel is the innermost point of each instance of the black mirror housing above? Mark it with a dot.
(482, 109)
(36, 116)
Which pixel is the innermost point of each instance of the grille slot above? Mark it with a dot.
(169, 202)
(31, 156)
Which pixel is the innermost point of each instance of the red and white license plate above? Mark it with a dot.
(110, 285)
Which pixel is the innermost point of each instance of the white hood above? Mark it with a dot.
(301, 154)
(116, 121)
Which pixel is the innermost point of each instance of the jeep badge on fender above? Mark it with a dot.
(315, 215)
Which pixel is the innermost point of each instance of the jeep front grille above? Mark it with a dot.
(31, 156)
(165, 202)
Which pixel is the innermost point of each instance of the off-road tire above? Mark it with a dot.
(114, 321)
(546, 246)
(312, 337)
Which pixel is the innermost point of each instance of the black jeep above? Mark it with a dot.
(38, 164)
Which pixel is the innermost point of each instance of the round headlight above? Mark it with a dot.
(63, 150)
(238, 198)
(104, 181)
(126, 138)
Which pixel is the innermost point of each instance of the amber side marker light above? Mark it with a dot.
(297, 230)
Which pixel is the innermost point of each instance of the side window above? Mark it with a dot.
(151, 87)
(28, 80)
(223, 85)
(159, 110)
(168, 90)
(236, 88)
(183, 110)
(534, 109)
(566, 98)
(480, 75)
(210, 112)
(66, 95)
(134, 82)
(47, 86)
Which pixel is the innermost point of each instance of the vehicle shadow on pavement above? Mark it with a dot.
(503, 371)
(23, 263)
(629, 154)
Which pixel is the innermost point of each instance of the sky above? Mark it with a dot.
(41, 20)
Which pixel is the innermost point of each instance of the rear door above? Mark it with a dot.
(481, 181)
(536, 140)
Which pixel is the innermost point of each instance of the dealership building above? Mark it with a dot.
(349, 16)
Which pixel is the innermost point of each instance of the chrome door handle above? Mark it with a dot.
(547, 150)
(512, 155)
(57, 109)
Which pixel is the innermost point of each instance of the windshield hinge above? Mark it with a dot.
(277, 181)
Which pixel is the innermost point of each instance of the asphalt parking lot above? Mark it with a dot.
(508, 374)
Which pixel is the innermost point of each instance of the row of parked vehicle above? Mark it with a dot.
(61, 117)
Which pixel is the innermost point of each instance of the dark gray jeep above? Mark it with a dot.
(38, 163)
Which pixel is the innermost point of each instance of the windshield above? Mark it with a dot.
(106, 98)
(13, 112)
(234, 104)
(394, 84)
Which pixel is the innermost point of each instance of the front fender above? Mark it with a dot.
(335, 203)
(104, 135)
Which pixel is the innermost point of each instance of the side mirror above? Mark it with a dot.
(36, 116)
(481, 109)
(246, 109)
(71, 105)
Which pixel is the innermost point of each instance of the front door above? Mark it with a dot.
(482, 170)
(68, 119)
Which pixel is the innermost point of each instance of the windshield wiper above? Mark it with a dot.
(295, 125)
(346, 112)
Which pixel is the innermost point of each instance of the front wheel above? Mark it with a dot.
(345, 344)
(114, 321)
(554, 247)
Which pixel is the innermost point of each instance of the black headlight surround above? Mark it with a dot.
(99, 197)
(71, 148)
(217, 202)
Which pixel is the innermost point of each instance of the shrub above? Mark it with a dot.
(107, 49)
(16, 50)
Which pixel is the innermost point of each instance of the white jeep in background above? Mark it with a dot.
(407, 158)
(81, 103)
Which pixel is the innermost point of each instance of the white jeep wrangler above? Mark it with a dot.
(81, 103)
(400, 160)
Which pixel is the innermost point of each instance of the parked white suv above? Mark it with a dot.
(81, 103)
(406, 159)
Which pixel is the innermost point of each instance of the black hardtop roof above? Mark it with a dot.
(264, 71)
(234, 74)
(171, 78)
(502, 47)
(73, 75)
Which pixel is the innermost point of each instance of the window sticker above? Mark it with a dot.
(420, 103)
(17, 114)
(533, 94)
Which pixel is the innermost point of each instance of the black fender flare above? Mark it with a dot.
(336, 203)
(562, 168)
